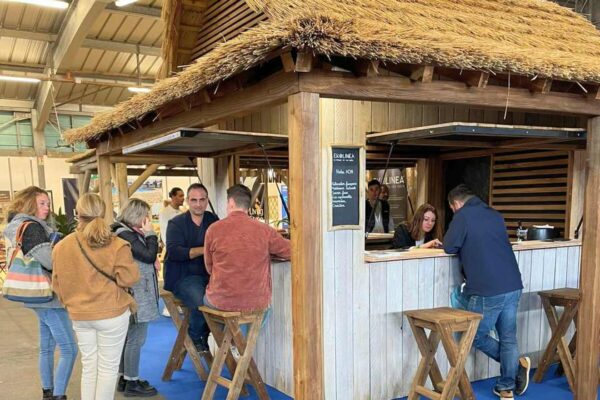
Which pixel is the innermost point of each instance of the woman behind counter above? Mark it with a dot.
(421, 232)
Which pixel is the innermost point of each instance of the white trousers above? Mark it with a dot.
(100, 344)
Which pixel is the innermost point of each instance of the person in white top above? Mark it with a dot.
(166, 214)
(177, 196)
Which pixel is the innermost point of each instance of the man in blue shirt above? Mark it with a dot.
(493, 287)
(185, 274)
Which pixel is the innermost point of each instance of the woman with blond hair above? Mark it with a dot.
(422, 231)
(30, 210)
(92, 272)
(134, 226)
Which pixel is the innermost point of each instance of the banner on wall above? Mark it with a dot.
(395, 180)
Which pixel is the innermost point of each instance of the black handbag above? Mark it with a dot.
(129, 291)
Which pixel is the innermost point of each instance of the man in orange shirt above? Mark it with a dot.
(237, 254)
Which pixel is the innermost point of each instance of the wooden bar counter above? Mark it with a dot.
(375, 354)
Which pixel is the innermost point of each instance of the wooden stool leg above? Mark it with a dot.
(217, 367)
(427, 347)
(558, 342)
(457, 356)
(178, 351)
(218, 333)
(253, 373)
(243, 363)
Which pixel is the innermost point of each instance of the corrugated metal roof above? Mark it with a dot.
(28, 33)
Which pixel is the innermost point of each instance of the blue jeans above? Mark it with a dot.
(56, 329)
(130, 359)
(499, 312)
(190, 290)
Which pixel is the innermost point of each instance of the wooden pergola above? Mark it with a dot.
(301, 77)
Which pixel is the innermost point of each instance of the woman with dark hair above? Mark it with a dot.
(421, 232)
(30, 210)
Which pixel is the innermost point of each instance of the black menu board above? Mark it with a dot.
(345, 186)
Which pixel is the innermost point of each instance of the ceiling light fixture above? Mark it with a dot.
(62, 5)
(23, 79)
(122, 3)
(137, 89)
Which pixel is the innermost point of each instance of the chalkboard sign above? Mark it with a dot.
(345, 188)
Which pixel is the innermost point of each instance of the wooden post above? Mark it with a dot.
(105, 185)
(588, 321)
(576, 193)
(307, 260)
(121, 174)
(85, 184)
(151, 169)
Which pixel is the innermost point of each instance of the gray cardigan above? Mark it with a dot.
(145, 291)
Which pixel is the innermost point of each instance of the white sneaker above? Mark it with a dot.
(165, 312)
(235, 353)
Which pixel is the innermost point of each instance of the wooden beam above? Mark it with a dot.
(588, 320)
(121, 172)
(171, 16)
(272, 90)
(287, 59)
(307, 260)
(478, 79)
(105, 187)
(397, 89)
(541, 85)
(77, 23)
(85, 183)
(135, 11)
(576, 195)
(304, 61)
(367, 68)
(148, 172)
(423, 73)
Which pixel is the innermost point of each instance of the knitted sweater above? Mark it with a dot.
(87, 294)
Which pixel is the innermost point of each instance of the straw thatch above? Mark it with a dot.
(525, 37)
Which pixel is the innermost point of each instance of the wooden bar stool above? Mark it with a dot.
(183, 343)
(225, 327)
(443, 322)
(569, 299)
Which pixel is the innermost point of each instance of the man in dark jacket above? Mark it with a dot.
(493, 287)
(377, 211)
(185, 272)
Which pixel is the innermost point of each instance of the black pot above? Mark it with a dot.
(542, 233)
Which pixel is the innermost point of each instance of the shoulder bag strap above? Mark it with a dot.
(19, 242)
(93, 264)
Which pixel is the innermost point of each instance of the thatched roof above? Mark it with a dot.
(525, 37)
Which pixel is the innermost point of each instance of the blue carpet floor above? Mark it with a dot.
(185, 384)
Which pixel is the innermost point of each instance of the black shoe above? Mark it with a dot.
(139, 388)
(504, 394)
(47, 394)
(63, 397)
(522, 381)
(121, 384)
(202, 345)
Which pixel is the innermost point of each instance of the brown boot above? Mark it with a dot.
(47, 394)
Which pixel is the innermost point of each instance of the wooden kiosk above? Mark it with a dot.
(324, 75)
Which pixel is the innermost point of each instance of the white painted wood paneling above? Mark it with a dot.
(373, 349)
